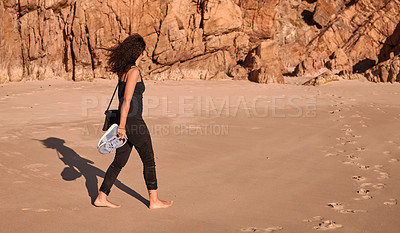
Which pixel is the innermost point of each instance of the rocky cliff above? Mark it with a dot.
(260, 40)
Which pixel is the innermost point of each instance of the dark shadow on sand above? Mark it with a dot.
(78, 166)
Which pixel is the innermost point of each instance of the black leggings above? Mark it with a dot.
(138, 136)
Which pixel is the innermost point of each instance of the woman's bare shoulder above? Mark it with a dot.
(132, 74)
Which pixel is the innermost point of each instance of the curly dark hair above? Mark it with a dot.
(124, 55)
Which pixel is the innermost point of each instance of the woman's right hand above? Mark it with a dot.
(121, 132)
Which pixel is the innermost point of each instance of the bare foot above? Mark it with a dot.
(160, 204)
(101, 201)
(156, 203)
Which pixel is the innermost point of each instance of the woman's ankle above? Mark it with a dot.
(102, 195)
(153, 195)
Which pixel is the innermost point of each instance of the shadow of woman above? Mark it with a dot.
(78, 166)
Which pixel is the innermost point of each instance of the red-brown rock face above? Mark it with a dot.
(363, 32)
(388, 71)
(198, 38)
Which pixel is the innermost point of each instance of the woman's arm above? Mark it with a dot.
(132, 78)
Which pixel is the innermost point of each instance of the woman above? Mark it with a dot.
(123, 60)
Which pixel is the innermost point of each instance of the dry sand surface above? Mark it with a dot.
(234, 156)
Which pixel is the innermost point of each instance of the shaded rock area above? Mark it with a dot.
(388, 71)
(260, 40)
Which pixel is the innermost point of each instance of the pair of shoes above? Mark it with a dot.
(110, 141)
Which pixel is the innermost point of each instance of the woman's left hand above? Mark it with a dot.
(121, 132)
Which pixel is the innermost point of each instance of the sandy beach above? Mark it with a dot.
(234, 156)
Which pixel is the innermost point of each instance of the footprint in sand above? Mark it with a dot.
(347, 130)
(350, 211)
(383, 175)
(358, 178)
(328, 225)
(364, 167)
(381, 110)
(391, 202)
(349, 142)
(333, 111)
(352, 157)
(365, 197)
(394, 160)
(330, 154)
(336, 205)
(363, 185)
(314, 219)
(360, 149)
(353, 135)
(379, 186)
(255, 229)
(363, 191)
(349, 162)
(339, 207)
